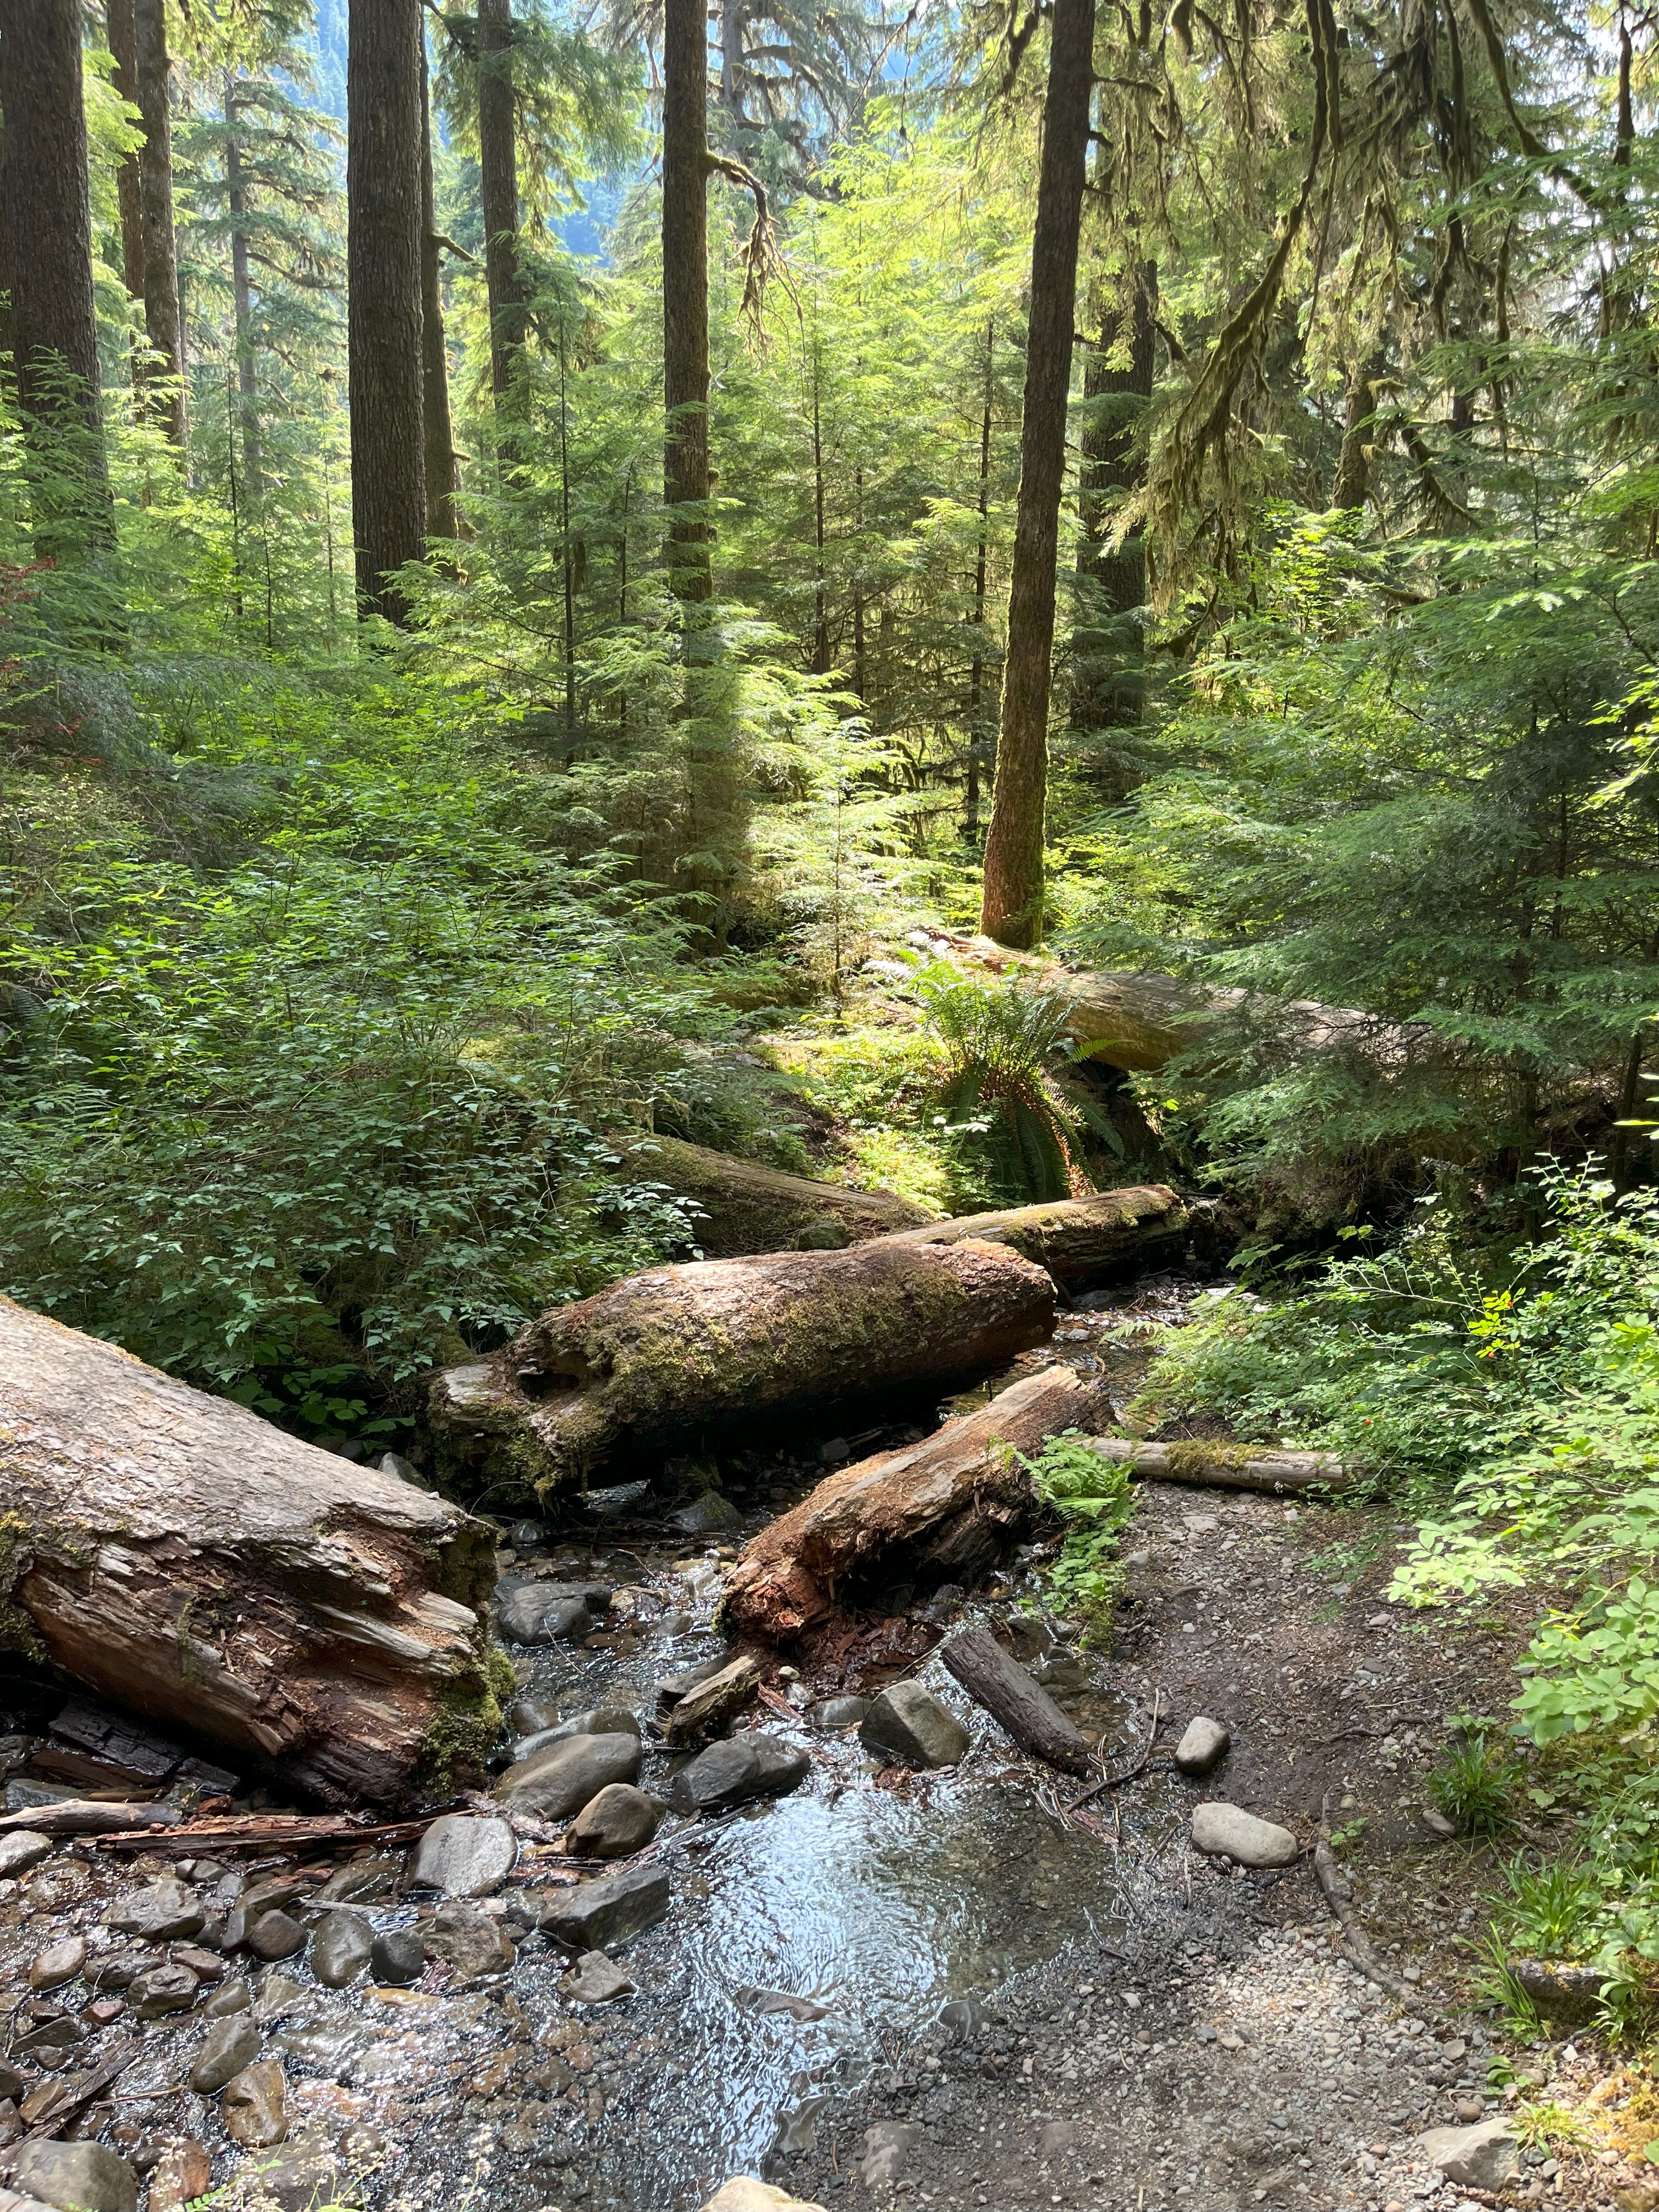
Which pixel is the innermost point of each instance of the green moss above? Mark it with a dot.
(17, 1631)
(466, 1726)
(1192, 1458)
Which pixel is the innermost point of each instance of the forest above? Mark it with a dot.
(980, 603)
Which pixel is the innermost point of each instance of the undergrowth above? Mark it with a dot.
(1093, 1495)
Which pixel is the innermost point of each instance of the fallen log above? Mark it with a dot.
(673, 1354)
(186, 1560)
(1225, 1466)
(748, 1209)
(936, 1511)
(1076, 1239)
(1027, 1712)
(90, 1816)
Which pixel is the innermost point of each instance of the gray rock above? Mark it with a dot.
(117, 1969)
(76, 2177)
(255, 2106)
(889, 2149)
(397, 1957)
(20, 1850)
(360, 1880)
(1031, 1638)
(464, 1857)
(275, 1935)
(595, 1979)
(559, 1781)
(531, 1716)
(1203, 1744)
(732, 1773)
(830, 1715)
(527, 1536)
(963, 2018)
(536, 1613)
(1484, 2157)
(618, 1822)
(596, 1720)
(1227, 1832)
(909, 1724)
(278, 1996)
(12, 2083)
(1572, 1995)
(618, 1501)
(711, 1514)
(227, 2047)
(165, 1912)
(771, 2004)
(233, 1996)
(340, 1949)
(61, 1964)
(471, 1944)
(608, 1910)
(163, 1989)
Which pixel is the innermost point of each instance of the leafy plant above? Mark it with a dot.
(1477, 1781)
(1000, 1039)
(1094, 1496)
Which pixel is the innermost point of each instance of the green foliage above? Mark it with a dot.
(1094, 1497)
(999, 1040)
(1549, 1911)
(1476, 1781)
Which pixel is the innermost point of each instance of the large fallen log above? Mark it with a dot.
(1024, 1708)
(938, 1511)
(1076, 1239)
(1225, 1466)
(676, 1353)
(746, 1208)
(186, 1560)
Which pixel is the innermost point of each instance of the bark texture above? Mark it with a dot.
(180, 1556)
(437, 431)
(385, 74)
(163, 321)
(1225, 1466)
(685, 295)
(678, 1352)
(1076, 1239)
(498, 179)
(1012, 905)
(122, 35)
(241, 295)
(748, 1209)
(1023, 1707)
(938, 1511)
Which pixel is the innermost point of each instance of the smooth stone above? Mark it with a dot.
(278, 1995)
(736, 1770)
(163, 1989)
(595, 1979)
(255, 2106)
(232, 1996)
(908, 1723)
(340, 1949)
(22, 1848)
(275, 1935)
(618, 1822)
(834, 1714)
(464, 1857)
(397, 1957)
(596, 1720)
(745, 2194)
(471, 1944)
(359, 1879)
(889, 2147)
(165, 1912)
(1484, 2157)
(182, 2173)
(527, 1536)
(203, 1964)
(531, 1716)
(1227, 1832)
(12, 2083)
(1203, 1743)
(543, 1612)
(61, 1964)
(711, 1514)
(608, 1910)
(228, 2046)
(76, 2177)
(1031, 1638)
(559, 1781)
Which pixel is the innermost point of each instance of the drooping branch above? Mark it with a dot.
(762, 261)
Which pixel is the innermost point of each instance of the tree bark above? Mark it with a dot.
(442, 520)
(122, 32)
(748, 1209)
(241, 295)
(498, 172)
(1108, 681)
(1022, 1706)
(981, 738)
(180, 1556)
(54, 329)
(940, 1510)
(685, 297)
(687, 1353)
(163, 317)
(1078, 1240)
(1226, 1466)
(1011, 911)
(384, 72)
(1353, 467)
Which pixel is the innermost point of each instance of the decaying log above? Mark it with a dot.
(936, 1511)
(1226, 1466)
(1023, 1707)
(184, 1558)
(705, 1709)
(1076, 1239)
(749, 1208)
(91, 1816)
(677, 1352)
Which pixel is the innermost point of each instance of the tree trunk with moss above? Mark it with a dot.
(1078, 1240)
(185, 1558)
(748, 1209)
(1212, 1466)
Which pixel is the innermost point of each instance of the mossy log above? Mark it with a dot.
(749, 1208)
(1076, 1239)
(941, 1510)
(677, 1354)
(1226, 1466)
(189, 1561)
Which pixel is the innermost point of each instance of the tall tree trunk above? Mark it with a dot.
(241, 291)
(54, 331)
(1353, 467)
(163, 320)
(1108, 683)
(499, 184)
(980, 739)
(686, 296)
(1012, 911)
(383, 265)
(123, 36)
(441, 519)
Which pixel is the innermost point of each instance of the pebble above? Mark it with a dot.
(232, 1996)
(616, 1824)
(61, 1964)
(471, 1944)
(397, 1957)
(595, 1979)
(255, 2106)
(275, 1935)
(228, 2046)
(340, 1949)
(163, 1989)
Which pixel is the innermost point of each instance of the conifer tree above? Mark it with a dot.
(163, 321)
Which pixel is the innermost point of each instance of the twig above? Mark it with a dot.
(1339, 1895)
(1116, 1781)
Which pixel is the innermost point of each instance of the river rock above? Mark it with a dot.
(616, 1824)
(397, 1957)
(559, 1781)
(1227, 1832)
(165, 1912)
(340, 1948)
(12, 2083)
(831, 1715)
(908, 1723)
(227, 2048)
(464, 1857)
(1484, 2157)
(1203, 1743)
(255, 2106)
(183, 2172)
(306, 2175)
(888, 2148)
(608, 1910)
(532, 1715)
(61, 1964)
(76, 2177)
(742, 1767)
(544, 1612)
(596, 1720)
(22, 1848)
(275, 1935)
(745, 2194)
(595, 1979)
(376, 1874)
(711, 1514)
(163, 1989)
(232, 1996)
(469, 1943)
